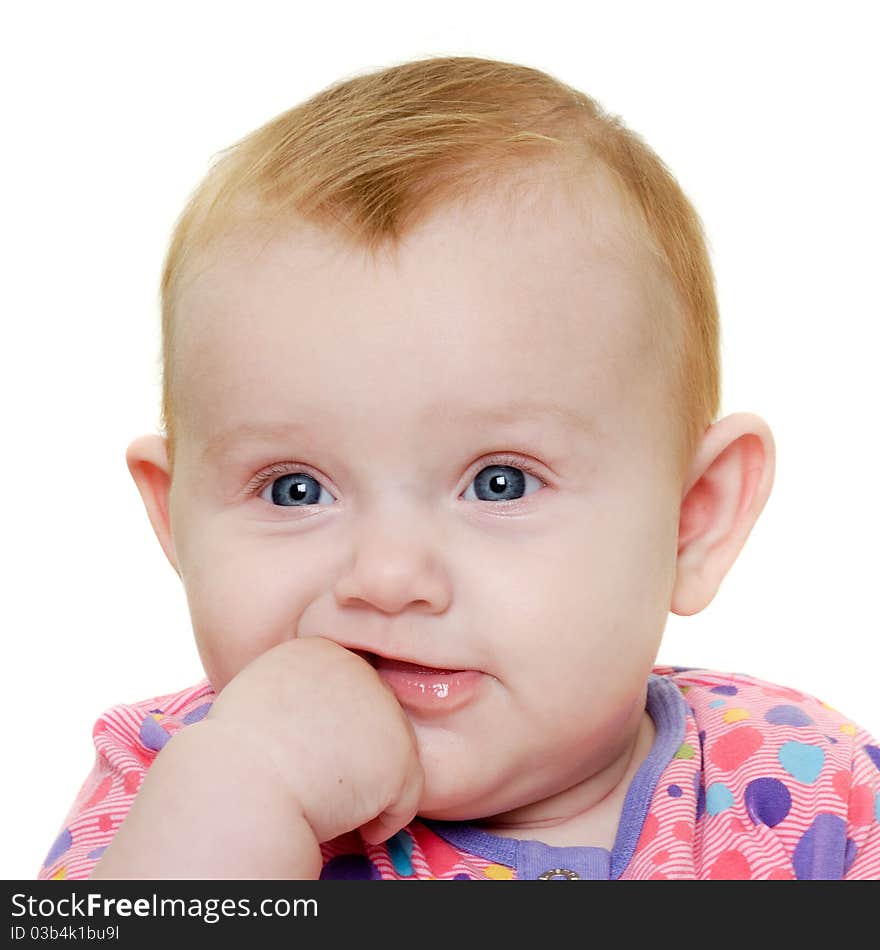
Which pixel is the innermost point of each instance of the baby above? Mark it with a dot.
(440, 370)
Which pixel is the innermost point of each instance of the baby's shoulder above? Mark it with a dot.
(785, 785)
(716, 697)
(140, 729)
(737, 715)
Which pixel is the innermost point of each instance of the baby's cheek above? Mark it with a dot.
(236, 616)
(220, 665)
(226, 650)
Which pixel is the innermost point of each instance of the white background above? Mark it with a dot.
(766, 114)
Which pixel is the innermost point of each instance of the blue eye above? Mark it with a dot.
(499, 483)
(297, 489)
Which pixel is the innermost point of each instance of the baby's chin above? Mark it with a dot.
(468, 781)
(462, 782)
(467, 784)
(456, 796)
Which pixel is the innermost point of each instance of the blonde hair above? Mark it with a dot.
(371, 155)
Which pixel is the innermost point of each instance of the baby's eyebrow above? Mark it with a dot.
(513, 413)
(507, 415)
(251, 432)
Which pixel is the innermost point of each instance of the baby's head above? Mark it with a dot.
(440, 354)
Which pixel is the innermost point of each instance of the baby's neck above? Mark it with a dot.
(586, 815)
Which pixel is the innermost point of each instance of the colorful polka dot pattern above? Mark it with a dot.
(775, 796)
(127, 739)
(767, 784)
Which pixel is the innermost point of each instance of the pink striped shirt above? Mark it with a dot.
(746, 780)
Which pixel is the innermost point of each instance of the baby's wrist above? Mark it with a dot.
(211, 806)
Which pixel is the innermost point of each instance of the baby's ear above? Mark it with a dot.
(727, 488)
(147, 460)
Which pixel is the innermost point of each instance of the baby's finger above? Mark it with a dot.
(399, 813)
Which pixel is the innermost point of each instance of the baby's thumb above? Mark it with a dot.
(398, 814)
(380, 829)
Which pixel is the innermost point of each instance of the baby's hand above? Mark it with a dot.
(334, 731)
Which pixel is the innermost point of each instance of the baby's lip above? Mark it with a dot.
(427, 692)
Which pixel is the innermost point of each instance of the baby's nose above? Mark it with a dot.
(393, 570)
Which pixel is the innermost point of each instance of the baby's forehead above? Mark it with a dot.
(515, 286)
(460, 269)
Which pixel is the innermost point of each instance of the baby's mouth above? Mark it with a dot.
(426, 692)
(403, 666)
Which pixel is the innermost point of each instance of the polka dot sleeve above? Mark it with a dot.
(863, 809)
(127, 739)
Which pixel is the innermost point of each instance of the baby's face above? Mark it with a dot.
(459, 459)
